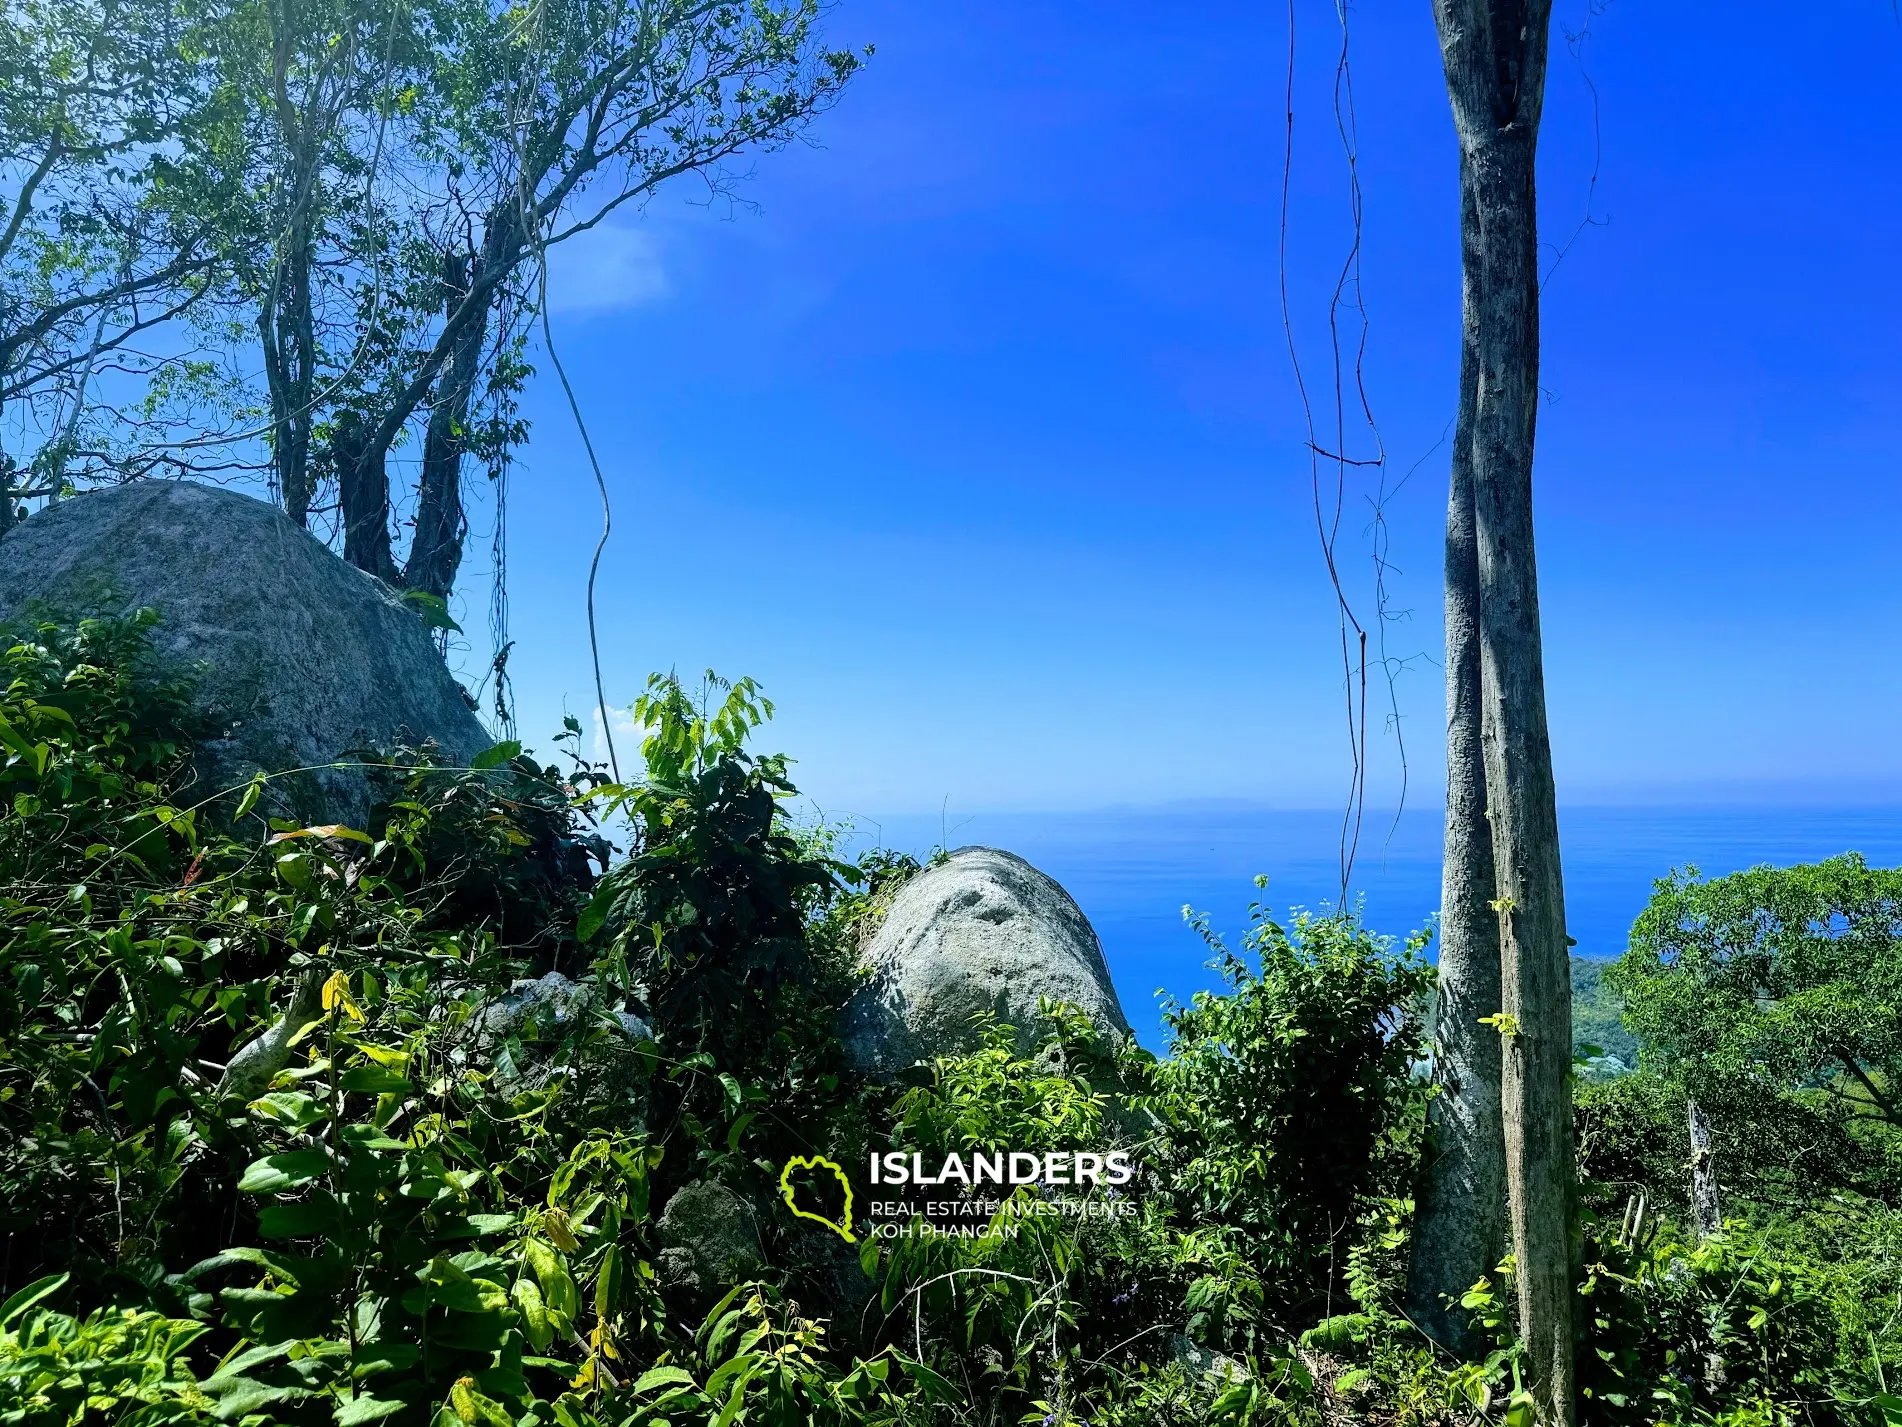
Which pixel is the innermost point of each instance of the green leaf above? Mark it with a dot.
(663, 1377)
(252, 792)
(35, 1291)
(372, 1080)
(934, 1387)
(12, 738)
(240, 1396)
(367, 1409)
(497, 754)
(738, 1398)
(432, 610)
(607, 1286)
(595, 914)
(290, 1108)
(528, 1301)
(739, 1128)
(278, 1172)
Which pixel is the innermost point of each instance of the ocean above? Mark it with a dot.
(1133, 870)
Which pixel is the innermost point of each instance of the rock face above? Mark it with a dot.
(709, 1237)
(519, 1035)
(982, 931)
(299, 656)
(550, 1007)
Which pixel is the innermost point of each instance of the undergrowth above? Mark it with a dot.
(284, 1138)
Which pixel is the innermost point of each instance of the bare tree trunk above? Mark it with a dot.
(363, 495)
(1459, 1231)
(1704, 1202)
(256, 1064)
(1494, 53)
(307, 121)
(436, 548)
(288, 338)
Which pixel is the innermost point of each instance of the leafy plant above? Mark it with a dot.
(122, 1365)
(1291, 1103)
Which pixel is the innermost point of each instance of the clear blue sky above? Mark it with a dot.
(975, 439)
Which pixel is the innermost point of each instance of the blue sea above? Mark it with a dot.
(1133, 870)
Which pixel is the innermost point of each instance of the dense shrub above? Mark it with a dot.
(1292, 1103)
(269, 1152)
(403, 1223)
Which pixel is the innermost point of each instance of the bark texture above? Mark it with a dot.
(1494, 53)
(1460, 1229)
(441, 526)
(253, 1068)
(360, 457)
(1705, 1207)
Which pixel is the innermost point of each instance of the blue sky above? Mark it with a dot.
(973, 435)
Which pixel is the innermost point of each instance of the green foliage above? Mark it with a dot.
(1598, 1030)
(1767, 996)
(405, 1222)
(424, 1231)
(994, 1096)
(707, 917)
(1783, 1322)
(755, 1360)
(1773, 979)
(109, 117)
(730, 930)
(433, 1208)
(119, 1365)
(1291, 1103)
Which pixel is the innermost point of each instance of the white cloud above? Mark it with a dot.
(605, 268)
(627, 736)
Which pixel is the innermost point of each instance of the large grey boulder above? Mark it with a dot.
(550, 1007)
(983, 931)
(299, 657)
(709, 1239)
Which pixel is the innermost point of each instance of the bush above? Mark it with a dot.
(121, 1365)
(1291, 1104)
(392, 1222)
(269, 1153)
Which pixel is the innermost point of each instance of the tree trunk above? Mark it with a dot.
(1494, 53)
(292, 449)
(286, 317)
(1535, 960)
(1705, 1208)
(363, 496)
(436, 548)
(290, 358)
(1459, 1232)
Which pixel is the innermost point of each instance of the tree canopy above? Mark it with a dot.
(1775, 978)
(293, 237)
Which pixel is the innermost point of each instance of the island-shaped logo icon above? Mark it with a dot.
(842, 1226)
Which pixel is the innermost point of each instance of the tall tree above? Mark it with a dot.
(107, 160)
(1460, 1229)
(544, 121)
(320, 78)
(1494, 53)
